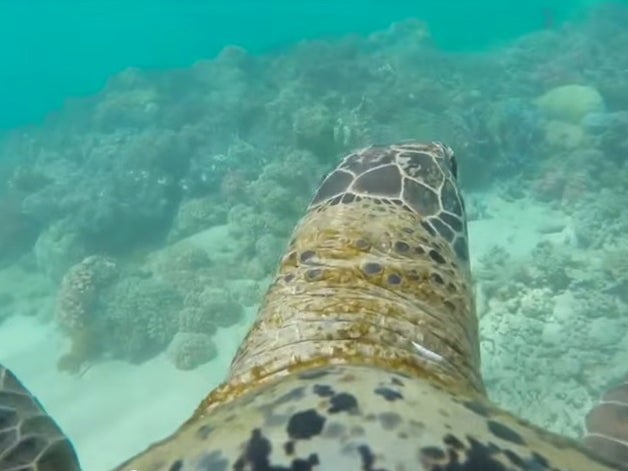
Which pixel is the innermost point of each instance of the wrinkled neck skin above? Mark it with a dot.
(348, 292)
(382, 294)
(359, 305)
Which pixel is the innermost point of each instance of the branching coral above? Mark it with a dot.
(215, 306)
(495, 274)
(190, 350)
(274, 202)
(76, 309)
(78, 291)
(140, 318)
(197, 214)
(604, 221)
(196, 319)
(552, 267)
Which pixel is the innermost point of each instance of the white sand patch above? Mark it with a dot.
(518, 226)
(115, 409)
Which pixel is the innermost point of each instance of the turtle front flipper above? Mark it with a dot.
(607, 426)
(29, 438)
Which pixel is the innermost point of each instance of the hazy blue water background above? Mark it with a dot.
(52, 50)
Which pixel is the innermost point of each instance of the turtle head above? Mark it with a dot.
(449, 158)
(442, 154)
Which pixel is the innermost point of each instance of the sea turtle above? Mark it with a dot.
(364, 354)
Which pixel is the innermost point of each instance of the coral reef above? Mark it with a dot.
(57, 249)
(570, 103)
(195, 215)
(79, 289)
(314, 129)
(18, 231)
(105, 311)
(196, 319)
(76, 309)
(552, 320)
(190, 350)
(161, 205)
(139, 318)
(217, 305)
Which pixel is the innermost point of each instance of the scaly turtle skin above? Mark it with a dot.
(29, 436)
(365, 352)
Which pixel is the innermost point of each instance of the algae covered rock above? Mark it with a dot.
(563, 135)
(570, 103)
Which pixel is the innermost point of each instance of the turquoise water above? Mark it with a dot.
(55, 50)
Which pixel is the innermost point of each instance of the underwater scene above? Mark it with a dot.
(147, 202)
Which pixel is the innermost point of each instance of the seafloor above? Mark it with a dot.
(140, 226)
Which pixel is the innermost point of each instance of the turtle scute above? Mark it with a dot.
(607, 425)
(30, 440)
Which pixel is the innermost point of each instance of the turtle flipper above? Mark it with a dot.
(30, 440)
(607, 426)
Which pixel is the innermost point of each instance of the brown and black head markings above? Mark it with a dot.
(420, 177)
